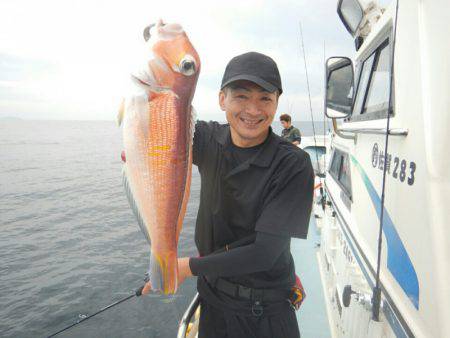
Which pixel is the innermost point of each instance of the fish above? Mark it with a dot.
(157, 119)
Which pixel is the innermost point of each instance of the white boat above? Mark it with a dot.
(408, 44)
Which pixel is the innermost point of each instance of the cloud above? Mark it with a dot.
(70, 60)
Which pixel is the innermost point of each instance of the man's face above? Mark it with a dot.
(250, 111)
(285, 124)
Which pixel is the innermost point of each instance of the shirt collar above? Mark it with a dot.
(264, 156)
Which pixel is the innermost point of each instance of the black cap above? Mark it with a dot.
(254, 67)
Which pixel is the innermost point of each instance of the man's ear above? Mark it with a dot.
(222, 100)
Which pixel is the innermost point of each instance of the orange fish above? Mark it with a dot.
(158, 122)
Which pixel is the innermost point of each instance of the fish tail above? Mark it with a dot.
(164, 272)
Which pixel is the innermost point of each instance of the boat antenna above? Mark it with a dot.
(136, 293)
(322, 199)
(309, 95)
(324, 116)
(376, 295)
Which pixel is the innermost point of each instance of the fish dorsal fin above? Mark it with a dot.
(133, 204)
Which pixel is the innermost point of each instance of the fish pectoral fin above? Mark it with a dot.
(121, 112)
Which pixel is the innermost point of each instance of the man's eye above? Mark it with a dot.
(265, 98)
(241, 97)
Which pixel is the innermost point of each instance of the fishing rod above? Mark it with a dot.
(136, 293)
(322, 199)
(309, 95)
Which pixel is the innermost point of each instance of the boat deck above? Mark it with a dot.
(312, 316)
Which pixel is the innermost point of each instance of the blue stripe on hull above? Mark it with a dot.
(398, 261)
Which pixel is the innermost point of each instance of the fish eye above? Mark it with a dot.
(147, 34)
(187, 65)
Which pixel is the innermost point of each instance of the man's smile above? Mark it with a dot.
(251, 122)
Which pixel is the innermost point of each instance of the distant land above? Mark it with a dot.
(15, 118)
(10, 118)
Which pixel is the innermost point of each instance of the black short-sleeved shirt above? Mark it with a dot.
(271, 192)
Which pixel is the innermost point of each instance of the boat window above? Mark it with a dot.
(335, 164)
(378, 94)
(340, 171)
(362, 86)
(372, 96)
(344, 174)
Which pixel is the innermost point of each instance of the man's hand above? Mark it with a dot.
(147, 288)
(184, 271)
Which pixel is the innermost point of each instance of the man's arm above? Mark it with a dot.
(255, 257)
(258, 256)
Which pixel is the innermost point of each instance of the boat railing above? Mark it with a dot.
(186, 319)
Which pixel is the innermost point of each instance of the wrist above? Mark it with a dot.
(185, 266)
(188, 267)
(193, 266)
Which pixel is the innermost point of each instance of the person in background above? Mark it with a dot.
(290, 133)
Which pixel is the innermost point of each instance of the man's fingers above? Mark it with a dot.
(147, 288)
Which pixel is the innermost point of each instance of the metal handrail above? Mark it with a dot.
(382, 131)
(339, 133)
(186, 319)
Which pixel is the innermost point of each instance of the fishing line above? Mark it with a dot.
(376, 295)
(136, 293)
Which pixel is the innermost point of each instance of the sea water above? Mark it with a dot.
(69, 242)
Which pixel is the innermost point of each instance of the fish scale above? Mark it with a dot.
(169, 163)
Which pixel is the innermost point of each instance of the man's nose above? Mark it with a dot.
(252, 108)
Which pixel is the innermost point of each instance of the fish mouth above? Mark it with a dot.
(146, 32)
(161, 30)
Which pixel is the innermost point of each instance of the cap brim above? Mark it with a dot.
(260, 82)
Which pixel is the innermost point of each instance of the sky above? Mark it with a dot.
(71, 60)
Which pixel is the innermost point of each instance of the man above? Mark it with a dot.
(289, 132)
(256, 193)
